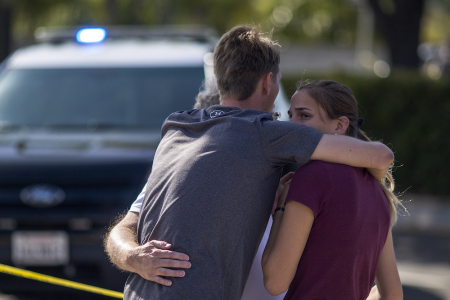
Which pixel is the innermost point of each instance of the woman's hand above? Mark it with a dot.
(282, 198)
(286, 178)
(374, 294)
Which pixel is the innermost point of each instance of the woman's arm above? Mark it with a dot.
(288, 237)
(387, 278)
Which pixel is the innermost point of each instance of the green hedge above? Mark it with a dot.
(412, 116)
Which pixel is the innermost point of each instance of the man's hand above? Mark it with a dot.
(151, 260)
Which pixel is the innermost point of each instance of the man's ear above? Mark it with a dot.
(342, 125)
(267, 82)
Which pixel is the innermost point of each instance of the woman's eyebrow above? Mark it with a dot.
(301, 108)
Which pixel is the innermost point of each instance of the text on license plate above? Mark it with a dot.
(40, 248)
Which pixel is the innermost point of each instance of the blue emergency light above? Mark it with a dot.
(90, 35)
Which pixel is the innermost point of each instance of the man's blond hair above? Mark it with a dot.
(241, 58)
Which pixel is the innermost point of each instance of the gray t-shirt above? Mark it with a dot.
(210, 194)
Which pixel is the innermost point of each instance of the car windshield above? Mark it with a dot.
(120, 97)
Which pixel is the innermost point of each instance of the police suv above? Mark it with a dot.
(80, 119)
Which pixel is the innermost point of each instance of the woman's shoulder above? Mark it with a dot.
(314, 171)
(327, 171)
(323, 165)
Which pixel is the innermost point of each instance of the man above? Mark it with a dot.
(214, 180)
(254, 288)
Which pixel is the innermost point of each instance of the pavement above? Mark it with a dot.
(422, 246)
(433, 279)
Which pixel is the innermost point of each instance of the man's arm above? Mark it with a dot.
(150, 261)
(374, 156)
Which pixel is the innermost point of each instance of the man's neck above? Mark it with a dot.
(249, 103)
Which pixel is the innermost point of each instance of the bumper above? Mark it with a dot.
(87, 264)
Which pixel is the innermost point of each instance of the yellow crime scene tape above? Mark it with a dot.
(58, 281)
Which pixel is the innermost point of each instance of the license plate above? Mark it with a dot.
(40, 248)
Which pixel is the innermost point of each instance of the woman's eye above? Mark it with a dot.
(304, 116)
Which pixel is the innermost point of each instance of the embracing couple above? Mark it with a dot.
(195, 229)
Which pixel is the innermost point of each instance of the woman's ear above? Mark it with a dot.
(342, 125)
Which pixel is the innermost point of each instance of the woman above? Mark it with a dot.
(331, 234)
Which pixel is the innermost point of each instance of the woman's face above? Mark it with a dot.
(305, 110)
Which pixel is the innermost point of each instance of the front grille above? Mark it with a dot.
(95, 192)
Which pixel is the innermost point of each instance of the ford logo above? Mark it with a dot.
(42, 195)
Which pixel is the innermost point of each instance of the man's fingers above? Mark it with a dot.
(172, 255)
(160, 280)
(160, 244)
(158, 253)
(164, 253)
(170, 273)
(174, 264)
(164, 272)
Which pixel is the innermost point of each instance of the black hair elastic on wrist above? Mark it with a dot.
(279, 208)
(360, 122)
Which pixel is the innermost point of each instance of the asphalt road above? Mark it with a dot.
(422, 247)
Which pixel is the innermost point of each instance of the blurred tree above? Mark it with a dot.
(124, 12)
(308, 21)
(398, 21)
(312, 21)
(5, 29)
(165, 12)
(113, 10)
(436, 22)
(27, 15)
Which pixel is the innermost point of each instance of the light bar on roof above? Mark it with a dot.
(90, 35)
